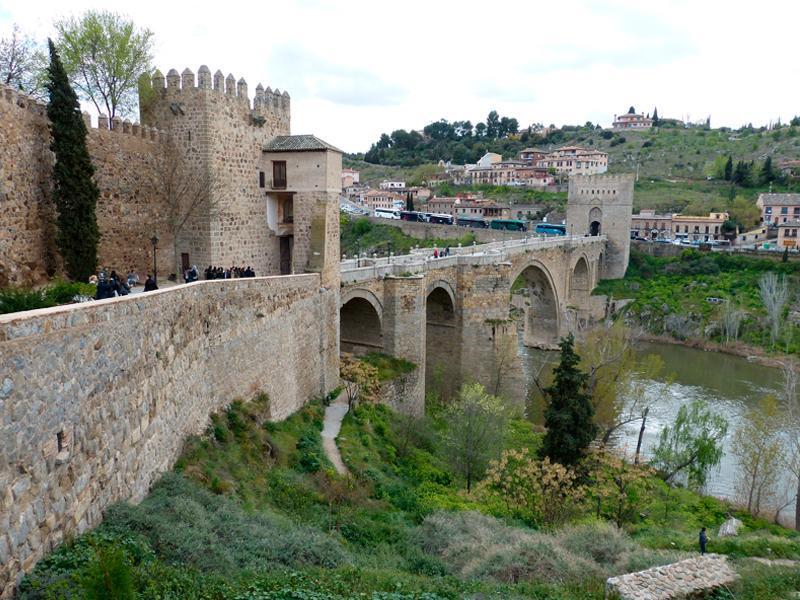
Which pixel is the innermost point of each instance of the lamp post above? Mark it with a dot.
(154, 241)
(389, 252)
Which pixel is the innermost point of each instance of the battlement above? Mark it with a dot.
(125, 127)
(265, 100)
(22, 101)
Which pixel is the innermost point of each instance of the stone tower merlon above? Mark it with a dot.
(602, 205)
(273, 106)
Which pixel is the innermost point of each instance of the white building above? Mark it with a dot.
(392, 185)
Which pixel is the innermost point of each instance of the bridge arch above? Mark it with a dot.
(360, 322)
(441, 339)
(542, 314)
(580, 281)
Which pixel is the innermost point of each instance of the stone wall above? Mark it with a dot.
(96, 399)
(129, 210)
(427, 231)
(401, 394)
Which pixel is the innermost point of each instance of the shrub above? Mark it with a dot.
(15, 300)
(108, 576)
(64, 292)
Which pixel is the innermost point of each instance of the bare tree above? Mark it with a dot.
(790, 400)
(731, 321)
(774, 295)
(23, 63)
(188, 194)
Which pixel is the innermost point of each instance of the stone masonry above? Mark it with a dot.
(690, 578)
(96, 400)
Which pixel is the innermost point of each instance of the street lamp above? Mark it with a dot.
(154, 241)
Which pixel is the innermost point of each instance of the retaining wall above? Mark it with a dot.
(96, 399)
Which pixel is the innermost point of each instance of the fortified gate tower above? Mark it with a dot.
(273, 198)
(601, 205)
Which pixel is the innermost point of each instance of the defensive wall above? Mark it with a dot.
(129, 210)
(430, 231)
(97, 399)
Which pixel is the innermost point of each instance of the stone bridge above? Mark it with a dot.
(450, 315)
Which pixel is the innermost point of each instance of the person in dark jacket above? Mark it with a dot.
(104, 288)
(703, 540)
(150, 284)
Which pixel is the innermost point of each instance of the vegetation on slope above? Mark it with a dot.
(363, 236)
(671, 297)
(58, 292)
(253, 511)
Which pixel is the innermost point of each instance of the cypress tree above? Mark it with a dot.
(409, 201)
(728, 169)
(655, 117)
(75, 193)
(569, 413)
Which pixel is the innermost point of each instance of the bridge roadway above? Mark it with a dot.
(450, 315)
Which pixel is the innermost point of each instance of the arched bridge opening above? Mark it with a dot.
(360, 328)
(441, 343)
(581, 283)
(540, 304)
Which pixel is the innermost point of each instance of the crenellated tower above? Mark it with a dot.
(220, 134)
(602, 205)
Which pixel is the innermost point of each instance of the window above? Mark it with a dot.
(768, 210)
(261, 179)
(784, 210)
(278, 173)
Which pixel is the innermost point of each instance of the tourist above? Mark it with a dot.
(435, 253)
(703, 540)
(104, 288)
(150, 284)
(133, 278)
(447, 251)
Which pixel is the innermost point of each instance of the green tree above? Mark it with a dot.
(743, 173)
(767, 174)
(492, 125)
(476, 425)
(744, 212)
(728, 172)
(569, 416)
(631, 111)
(693, 444)
(409, 201)
(655, 117)
(105, 54)
(75, 193)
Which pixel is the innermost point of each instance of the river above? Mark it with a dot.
(729, 384)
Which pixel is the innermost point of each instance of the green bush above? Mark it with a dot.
(64, 292)
(15, 300)
(108, 576)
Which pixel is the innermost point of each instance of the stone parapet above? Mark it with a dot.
(96, 399)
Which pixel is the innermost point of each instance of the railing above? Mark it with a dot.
(421, 260)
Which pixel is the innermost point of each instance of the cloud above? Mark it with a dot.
(307, 73)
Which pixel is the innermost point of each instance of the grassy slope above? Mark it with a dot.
(365, 236)
(252, 512)
(665, 288)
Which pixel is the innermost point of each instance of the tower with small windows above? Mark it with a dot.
(602, 205)
(255, 214)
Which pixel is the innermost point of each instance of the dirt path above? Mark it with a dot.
(330, 429)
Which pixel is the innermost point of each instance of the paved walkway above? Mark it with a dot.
(330, 429)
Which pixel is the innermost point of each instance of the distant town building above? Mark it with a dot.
(650, 225)
(499, 173)
(488, 209)
(575, 160)
(699, 228)
(349, 177)
(779, 208)
(488, 159)
(383, 199)
(392, 185)
(787, 234)
(531, 155)
(758, 235)
(631, 121)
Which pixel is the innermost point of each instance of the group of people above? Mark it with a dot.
(441, 254)
(231, 273)
(110, 285)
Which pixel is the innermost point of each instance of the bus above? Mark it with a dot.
(440, 219)
(474, 222)
(387, 213)
(412, 215)
(551, 229)
(509, 224)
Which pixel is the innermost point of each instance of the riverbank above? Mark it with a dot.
(752, 354)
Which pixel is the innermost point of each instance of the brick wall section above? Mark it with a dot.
(128, 211)
(96, 399)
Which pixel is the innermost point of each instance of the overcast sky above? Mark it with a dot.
(355, 69)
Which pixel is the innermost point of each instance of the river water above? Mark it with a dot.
(729, 384)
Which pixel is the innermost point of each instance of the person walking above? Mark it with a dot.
(703, 540)
(435, 253)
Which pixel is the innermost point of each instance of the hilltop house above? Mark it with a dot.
(779, 208)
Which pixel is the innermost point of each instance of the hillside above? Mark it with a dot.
(254, 511)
